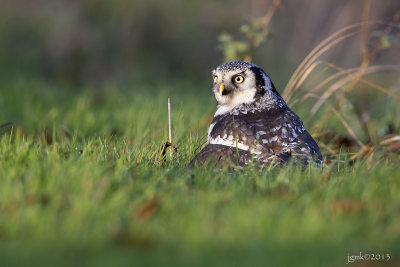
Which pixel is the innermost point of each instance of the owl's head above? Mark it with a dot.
(238, 82)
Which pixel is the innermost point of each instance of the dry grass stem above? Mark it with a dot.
(302, 72)
(300, 69)
(353, 77)
(348, 128)
(169, 126)
(390, 140)
(287, 94)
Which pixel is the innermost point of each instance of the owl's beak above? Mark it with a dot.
(221, 89)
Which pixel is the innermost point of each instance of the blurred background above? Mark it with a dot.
(95, 41)
(124, 53)
(85, 83)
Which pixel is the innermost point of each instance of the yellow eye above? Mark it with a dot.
(238, 79)
(215, 79)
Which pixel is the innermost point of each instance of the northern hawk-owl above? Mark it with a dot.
(253, 124)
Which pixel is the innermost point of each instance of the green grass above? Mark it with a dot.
(79, 186)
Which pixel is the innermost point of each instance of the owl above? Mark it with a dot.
(253, 124)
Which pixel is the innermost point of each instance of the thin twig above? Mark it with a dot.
(169, 126)
(266, 21)
(267, 18)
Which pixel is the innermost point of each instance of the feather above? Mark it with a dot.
(262, 131)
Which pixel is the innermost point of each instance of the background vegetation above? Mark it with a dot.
(85, 85)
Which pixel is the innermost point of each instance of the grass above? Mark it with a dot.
(80, 185)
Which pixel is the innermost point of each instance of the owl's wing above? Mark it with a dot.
(237, 132)
(220, 155)
(284, 134)
(272, 136)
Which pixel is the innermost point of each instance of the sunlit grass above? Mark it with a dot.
(80, 181)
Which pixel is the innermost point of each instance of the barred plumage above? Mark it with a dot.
(253, 124)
